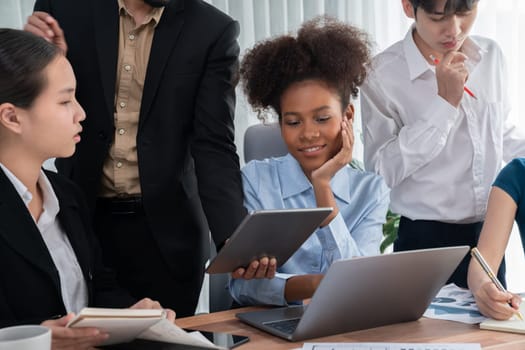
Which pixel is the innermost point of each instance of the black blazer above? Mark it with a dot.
(29, 282)
(185, 143)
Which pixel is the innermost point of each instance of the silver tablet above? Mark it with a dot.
(274, 233)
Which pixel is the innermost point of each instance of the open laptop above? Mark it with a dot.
(274, 233)
(364, 292)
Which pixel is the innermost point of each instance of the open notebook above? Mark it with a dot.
(513, 325)
(124, 325)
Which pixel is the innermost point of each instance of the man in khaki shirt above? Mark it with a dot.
(157, 160)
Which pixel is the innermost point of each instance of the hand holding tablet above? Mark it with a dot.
(267, 233)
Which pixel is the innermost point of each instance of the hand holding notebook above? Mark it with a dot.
(124, 325)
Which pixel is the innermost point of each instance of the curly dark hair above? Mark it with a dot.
(325, 49)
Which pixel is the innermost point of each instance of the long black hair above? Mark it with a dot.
(23, 58)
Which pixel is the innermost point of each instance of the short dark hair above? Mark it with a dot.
(451, 6)
(23, 57)
(325, 49)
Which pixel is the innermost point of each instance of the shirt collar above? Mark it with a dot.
(20, 188)
(291, 174)
(51, 205)
(50, 200)
(155, 14)
(417, 64)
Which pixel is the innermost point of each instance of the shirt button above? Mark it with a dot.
(127, 67)
(122, 104)
(131, 37)
(121, 131)
(119, 165)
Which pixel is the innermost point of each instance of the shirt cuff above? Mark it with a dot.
(335, 235)
(260, 291)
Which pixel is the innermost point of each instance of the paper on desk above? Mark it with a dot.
(168, 332)
(391, 346)
(454, 304)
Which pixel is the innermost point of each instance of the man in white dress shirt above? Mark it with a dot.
(438, 145)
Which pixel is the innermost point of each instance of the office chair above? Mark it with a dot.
(263, 141)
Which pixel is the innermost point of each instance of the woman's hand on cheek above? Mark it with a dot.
(341, 159)
(321, 177)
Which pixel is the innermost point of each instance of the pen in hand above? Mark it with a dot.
(466, 89)
(477, 255)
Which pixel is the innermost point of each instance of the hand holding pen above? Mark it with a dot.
(486, 268)
(451, 75)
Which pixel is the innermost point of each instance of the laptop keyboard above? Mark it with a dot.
(285, 326)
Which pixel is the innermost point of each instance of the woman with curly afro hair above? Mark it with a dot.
(308, 80)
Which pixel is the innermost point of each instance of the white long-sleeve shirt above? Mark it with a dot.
(438, 160)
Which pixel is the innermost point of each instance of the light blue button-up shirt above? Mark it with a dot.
(278, 183)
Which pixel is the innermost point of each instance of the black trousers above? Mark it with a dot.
(129, 248)
(422, 234)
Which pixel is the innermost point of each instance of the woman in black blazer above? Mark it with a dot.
(49, 260)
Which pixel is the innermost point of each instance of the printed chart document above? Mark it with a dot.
(391, 346)
(124, 325)
(513, 325)
(453, 303)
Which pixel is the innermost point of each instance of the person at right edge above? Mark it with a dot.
(437, 147)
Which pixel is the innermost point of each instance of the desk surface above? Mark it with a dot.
(422, 331)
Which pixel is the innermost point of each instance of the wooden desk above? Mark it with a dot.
(422, 331)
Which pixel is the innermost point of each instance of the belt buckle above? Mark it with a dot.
(126, 205)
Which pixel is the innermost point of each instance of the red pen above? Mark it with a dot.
(467, 90)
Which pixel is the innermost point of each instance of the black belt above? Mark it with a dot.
(121, 205)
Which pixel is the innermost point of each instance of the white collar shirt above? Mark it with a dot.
(438, 160)
(72, 283)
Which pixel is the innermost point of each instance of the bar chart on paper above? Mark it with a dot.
(391, 346)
